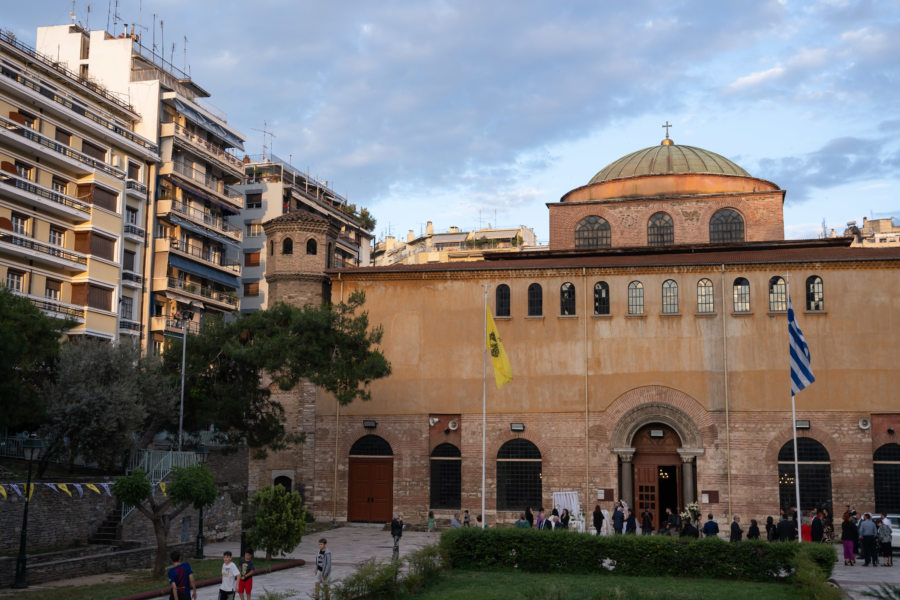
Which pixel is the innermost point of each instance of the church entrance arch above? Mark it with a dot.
(657, 471)
(370, 480)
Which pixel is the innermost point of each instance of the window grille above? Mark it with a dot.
(593, 232)
(777, 295)
(519, 475)
(886, 464)
(815, 293)
(726, 226)
(635, 298)
(446, 477)
(601, 298)
(502, 300)
(660, 230)
(371, 445)
(535, 300)
(814, 466)
(670, 297)
(705, 297)
(567, 299)
(741, 295)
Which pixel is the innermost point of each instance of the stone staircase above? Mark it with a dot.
(109, 532)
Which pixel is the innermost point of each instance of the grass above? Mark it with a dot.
(500, 585)
(134, 582)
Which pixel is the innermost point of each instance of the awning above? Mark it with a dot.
(200, 230)
(201, 270)
(203, 121)
(197, 192)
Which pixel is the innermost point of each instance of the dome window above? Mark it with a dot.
(593, 232)
(660, 230)
(726, 226)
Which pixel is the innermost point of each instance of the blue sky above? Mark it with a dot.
(469, 113)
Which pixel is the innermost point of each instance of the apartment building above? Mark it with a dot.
(194, 258)
(73, 193)
(454, 245)
(273, 188)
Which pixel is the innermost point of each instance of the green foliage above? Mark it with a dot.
(193, 485)
(883, 592)
(229, 362)
(571, 552)
(366, 220)
(811, 582)
(132, 489)
(371, 580)
(29, 347)
(280, 520)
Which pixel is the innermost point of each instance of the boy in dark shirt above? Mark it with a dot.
(245, 581)
(181, 577)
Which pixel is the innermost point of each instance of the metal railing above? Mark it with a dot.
(230, 299)
(206, 218)
(129, 324)
(204, 254)
(43, 248)
(157, 464)
(211, 149)
(206, 180)
(45, 193)
(192, 326)
(133, 184)
(131, 276)
(134, 230)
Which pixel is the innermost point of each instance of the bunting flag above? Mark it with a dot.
(64, 488)
(52, 486)
(502, 368)
(105, 486)
(16, 489)
(3, 492)
(162, 486)
(92, 487)
(78, 489)
(29, 489)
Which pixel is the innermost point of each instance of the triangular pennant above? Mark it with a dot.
(29, 487)
(78, 489)
(3, 492)
(15, 488)
(52, 486)
(105, 487)
(92, 487)
(162, 486)
(64, 488)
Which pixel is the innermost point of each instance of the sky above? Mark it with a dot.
(473, 113)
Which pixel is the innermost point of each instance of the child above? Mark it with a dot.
(230, 574)
(430, 521)
(245, 582)
(323, 567)
(466, 521)
(181, 577)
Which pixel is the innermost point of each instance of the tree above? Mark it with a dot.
(280, 520)
(189, 486)
(100, 397)
(231, 364)
(366, 220)
(29, 347)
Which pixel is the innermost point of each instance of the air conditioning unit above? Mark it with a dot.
(117, 161)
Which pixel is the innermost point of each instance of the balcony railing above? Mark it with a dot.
(133, 184)
(192, 326)
(132, 276)
(43, 248)
(208, 219)
(216, 152)
(55, 146)
(205, 255)
(49, 305)
(129, 325)
(45, 193)
(134, 230)
(192, 288)
(208, 181)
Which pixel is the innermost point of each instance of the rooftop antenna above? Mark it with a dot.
(171, 54)
(116, 16)
(184, 65)
(266, 147)
(72, 12)
(108, 12)
(87, 19)
(162, 43)
(153, 49)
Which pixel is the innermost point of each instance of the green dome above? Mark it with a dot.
(668, 159)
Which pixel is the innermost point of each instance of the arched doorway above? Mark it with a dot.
(370, 481)
(657, 470)
(284, 482)
(886, 464)
(814, 467)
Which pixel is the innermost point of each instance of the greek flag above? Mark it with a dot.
(801, 371)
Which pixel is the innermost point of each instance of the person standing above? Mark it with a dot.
(522, 522)
(867, 534)
(466, 519)
(564, 518)
(181, 578)
(674, 520)
(630, 523)
(430, 521)
(454, 521)
(245, 581)
(529, 516)
(539, 522)
(884, 541)
(323, 567)
(397, 532)
(771, 529)
(736, 532)
(646, 522)
(689, 531)
(849, 537)
(817, 528)
(230, 574)
(710, 528)
(785, 529)
(598, 519)
(618, 519)
(753, 532)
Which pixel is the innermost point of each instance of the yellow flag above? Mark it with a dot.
(3, 492)
(64, 488)
(92, 487)
(162, 486)
(29, 490)
(502, 368)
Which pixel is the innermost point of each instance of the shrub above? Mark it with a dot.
(370, 580)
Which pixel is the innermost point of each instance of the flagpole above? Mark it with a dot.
(483, 405)
(794, 432)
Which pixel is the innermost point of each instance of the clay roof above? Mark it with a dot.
(296, 216)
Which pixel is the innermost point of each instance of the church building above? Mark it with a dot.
(649, 353)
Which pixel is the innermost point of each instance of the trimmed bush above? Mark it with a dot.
(572, 552)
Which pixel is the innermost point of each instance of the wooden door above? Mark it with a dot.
(369, 489)
(645, 492)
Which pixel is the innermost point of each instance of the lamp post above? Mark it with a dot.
(186, 316)
(31, 448)
(202, 455)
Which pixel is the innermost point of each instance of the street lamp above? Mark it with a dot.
(202, 454)
(186, 316)
(31, 448)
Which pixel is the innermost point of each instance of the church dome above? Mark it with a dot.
(668, 159)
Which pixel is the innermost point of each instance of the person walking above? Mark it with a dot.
(884, 541)
(323, 567)
(849, 537)
(245, 581)
(181, 579)
(230, 574)
(867, 535)
(397, 533)
(736, 532)
(598, 519)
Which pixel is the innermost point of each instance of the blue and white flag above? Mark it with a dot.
(801, 371)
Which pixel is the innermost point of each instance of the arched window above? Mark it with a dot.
(592, 232)
(635, 298)
(601, 298)
(535, 300)
(446, 477)
(725, 226)
(706, 302)
(567, 299)
(777, 295)
(502, 300)
(670, 297)
(886, 463)
(660, 230)
(287, 246)
(371, 445)
(815, 293)
(311, 246)
(741, 295)
(284, 482)
(814, 466)
(518, 475)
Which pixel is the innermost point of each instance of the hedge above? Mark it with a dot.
(659, 555)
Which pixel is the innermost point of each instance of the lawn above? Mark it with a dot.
(500, 585)
(134, 582)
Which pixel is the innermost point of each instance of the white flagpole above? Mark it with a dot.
(794, 432)
(483, 405)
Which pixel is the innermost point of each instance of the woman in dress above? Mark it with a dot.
(598, 519)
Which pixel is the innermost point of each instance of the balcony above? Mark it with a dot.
(132, 186)
(209, 221)
(229, 300)
(198, 253)
(205, 182)
(204, 148)
(132, 279)
(57, 309)
(134, 232)
(53, 202)
(65, 155)
(30, 249)
(130, 327)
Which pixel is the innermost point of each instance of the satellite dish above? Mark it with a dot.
(453, 425)
(865, 423)
(432, 421)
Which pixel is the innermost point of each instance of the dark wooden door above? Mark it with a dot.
(645, 492)
(369, 489)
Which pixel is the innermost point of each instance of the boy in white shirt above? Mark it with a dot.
(229, 577)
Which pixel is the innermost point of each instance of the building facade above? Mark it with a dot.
(452, 245)
(649, 350)
(74, 194)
